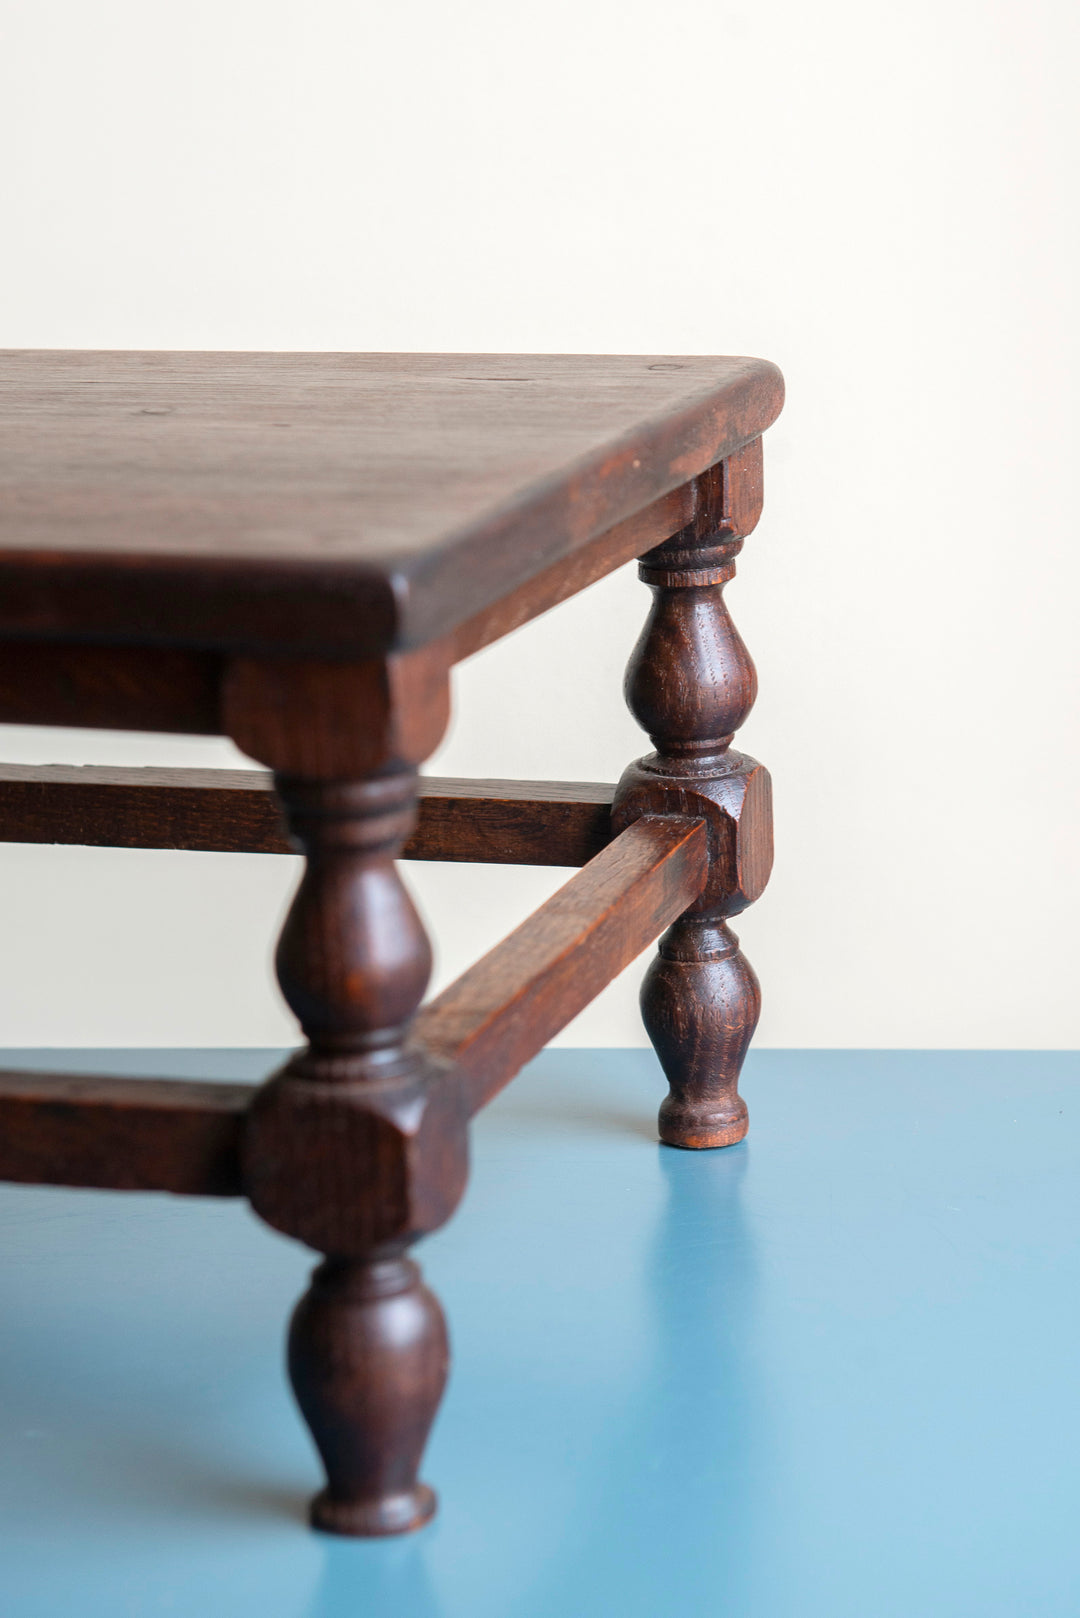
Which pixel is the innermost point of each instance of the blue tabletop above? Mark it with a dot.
(831, 1371)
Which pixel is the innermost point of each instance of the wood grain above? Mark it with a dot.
(368, 1360)
(504, 1009)
(358, 1146)
(576, 572)
(123, 1134)
(332, 504)
(292, 550)
(237, 812)
(183, 1136)
(691, 684)
(109, 687)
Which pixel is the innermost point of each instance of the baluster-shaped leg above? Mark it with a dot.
(358, 1145)
(368, 1357)
(691, 684)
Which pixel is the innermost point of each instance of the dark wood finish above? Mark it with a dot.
(293, 550)
(102, 806)
(237, 812)
(122, 1134)
(332, 504)
(177, 1135)
(368, 1347)
(700, 1002)
(570, 574)
(109, 687)
(353, 962)
(359, 1144)
(181, 1136)
(691, 684)
(499, 1013)
(511, 822)
(338, 721)
(368, 1359)
(175, 689)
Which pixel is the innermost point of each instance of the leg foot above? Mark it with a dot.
(691, 684)
(700, 1002)
(368, 1359)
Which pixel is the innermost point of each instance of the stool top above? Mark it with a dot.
(345, 502)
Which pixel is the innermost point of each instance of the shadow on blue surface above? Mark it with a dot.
(830, 1371)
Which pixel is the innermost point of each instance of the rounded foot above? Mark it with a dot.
(368, 1519)
(696, 1125)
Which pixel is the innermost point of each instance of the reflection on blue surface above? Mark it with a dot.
(830, 1371)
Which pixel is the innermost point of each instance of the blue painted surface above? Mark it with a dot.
(829, 1372)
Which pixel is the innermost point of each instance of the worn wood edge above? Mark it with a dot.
(357, 610)
(503, 1010)
(575, 572)
(172, 688)
(122, 1134)
(236, 811)
(711, 424)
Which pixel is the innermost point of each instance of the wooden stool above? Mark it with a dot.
(293, 550)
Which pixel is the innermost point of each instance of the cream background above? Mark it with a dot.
(877, 197)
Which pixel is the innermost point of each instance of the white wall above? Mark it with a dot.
(876, 196)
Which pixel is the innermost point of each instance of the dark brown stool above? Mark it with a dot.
(293, 550)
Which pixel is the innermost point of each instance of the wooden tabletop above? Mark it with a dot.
(356, 501)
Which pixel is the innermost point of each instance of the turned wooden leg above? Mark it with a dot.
(691, 684)
(359, 1144)
(368, 1358)
(700, 1003)
(356, 1147)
